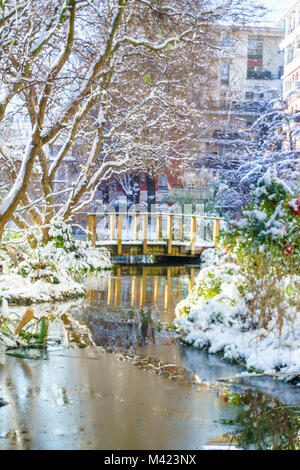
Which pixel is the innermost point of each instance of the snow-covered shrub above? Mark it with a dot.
(215, 295)
(62, 254)
(246, 301)
(265, 242)
(61, 235)
(215, 317)
(270, 224)
(51, 271)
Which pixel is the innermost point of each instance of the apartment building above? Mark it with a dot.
(254, 66)
(290, 45)
(250, 74)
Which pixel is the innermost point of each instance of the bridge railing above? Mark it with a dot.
(153, 228)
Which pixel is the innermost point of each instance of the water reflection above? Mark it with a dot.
(125, 314)
(126, 309)
(160, 288)
(264, 422)
(84, 398)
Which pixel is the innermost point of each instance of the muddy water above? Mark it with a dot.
(134, 386)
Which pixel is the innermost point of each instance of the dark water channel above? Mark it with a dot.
(134, 386)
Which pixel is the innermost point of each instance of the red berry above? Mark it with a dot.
(296, 207)
(288, 250)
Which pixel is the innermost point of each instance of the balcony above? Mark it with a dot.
(249, 106)
(293, 65)
(295, 122)
(292, 89)
(221, 134)
(240, 107)
(263, 75)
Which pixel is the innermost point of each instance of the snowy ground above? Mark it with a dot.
(215, 320)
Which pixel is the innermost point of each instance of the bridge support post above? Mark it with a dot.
(119, 234)
(158, 227)
(193, 234)
(181, 219)
(216, 231)
(170, 233)
(112, 225)
(91, 227)
(145, 233)
(136, 227)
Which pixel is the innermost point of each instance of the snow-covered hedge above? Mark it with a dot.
(52, 271)
(215, 317)
(271, 225)
(246, 302)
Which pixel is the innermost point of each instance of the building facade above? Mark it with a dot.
(250, 74)
(290, 46)
(247, 74)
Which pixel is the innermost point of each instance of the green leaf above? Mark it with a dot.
(147, 79)
(44, 330)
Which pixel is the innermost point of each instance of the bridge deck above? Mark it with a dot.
(154, 248)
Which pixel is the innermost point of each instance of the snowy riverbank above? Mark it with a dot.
(52, 272)
(214, 317)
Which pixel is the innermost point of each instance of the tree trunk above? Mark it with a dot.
(150, 190)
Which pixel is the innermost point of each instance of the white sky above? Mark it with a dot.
(277, 7)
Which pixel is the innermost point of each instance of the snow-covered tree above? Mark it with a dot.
(269, 143)
(111, 76)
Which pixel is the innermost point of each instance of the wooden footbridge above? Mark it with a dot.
(157, 234)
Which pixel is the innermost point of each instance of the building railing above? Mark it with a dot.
(239, 106)
(264, 75)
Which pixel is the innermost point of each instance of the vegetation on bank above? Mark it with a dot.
(246, 302)
(51, 271)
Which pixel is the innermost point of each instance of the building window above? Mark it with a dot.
(257, 73)
(255, 49)
(280, 71)
(255, 61)
(292, 23)
(162, 182)
(225, 71)
(226, 40)
(54, 149)
(290, 55)
(249, 95)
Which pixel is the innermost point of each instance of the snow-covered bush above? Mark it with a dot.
(61, 235)
(62, 254)
(265, 243)
(270, 224)
(246, 301)
(51, 271)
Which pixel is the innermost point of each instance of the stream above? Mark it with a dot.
(118, 379)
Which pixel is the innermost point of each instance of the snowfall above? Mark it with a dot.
(216, 325)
